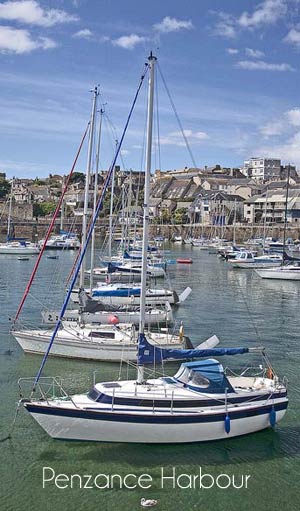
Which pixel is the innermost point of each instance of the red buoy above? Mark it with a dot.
(184, 261)
(113, 320)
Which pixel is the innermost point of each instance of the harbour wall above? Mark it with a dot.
(36, 230)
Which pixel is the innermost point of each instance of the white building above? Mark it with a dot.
(262, 169)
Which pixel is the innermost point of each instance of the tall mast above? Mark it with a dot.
(234, 223)
(9, 210)
(62, 206)
(286, 209)
(151, 63)
(95, 199)
(87, 181)
(112, 191)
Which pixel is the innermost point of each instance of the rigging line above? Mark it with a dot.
(157, 125)
(90, 230)
(247, 307)
(50, 228)
(115, 135)
(177, 117)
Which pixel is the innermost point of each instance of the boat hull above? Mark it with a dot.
(19, 251)
(104, 351)
(254, 265)
(151, 318)
(279, 274)
(76, 424)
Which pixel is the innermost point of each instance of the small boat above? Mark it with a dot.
(181, 260)
(247, 259)
(107, 343)
(18, 248)
(24, 258)
(62, 241)
(52, 256)
(290, 271)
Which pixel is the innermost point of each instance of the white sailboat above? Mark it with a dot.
(248, 260)
(106, 343)
(201, 402)
(16, 246)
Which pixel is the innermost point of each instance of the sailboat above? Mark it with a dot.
(289, 268)
(200, 402)
(16, 246)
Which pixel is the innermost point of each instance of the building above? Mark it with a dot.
(262, 169)
(216, 208)
(269, 207)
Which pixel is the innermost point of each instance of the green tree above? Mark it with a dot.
(180, 216)
(43, 208)
(77, 177)
(5, 187)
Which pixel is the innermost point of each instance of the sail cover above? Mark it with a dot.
(148, 353)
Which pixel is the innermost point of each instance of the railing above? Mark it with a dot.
(47, 389)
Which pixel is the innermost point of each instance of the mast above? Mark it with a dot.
(95, 199)
(286, 210)
(234, 223)
(151, 64)
(265, 222)
(87, 182)
(9, 210)
(62, 209)
(112, 191)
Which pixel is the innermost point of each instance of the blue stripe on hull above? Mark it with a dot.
(152, 418)
(103, 398)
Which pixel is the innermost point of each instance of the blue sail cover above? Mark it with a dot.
(148, 353)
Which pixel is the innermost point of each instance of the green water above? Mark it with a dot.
(238, 307)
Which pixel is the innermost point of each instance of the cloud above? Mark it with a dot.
(254, 54)
(293, 116)
(289, 151)
(293, 37)
(176, 138)
(267, 13)
(288, 120)
(85, 33)
(128, 42)
(225, 27)
(30, 12)
(19, 41)
(272, 128)
(172, 25)
(232, 51)
(261, 65)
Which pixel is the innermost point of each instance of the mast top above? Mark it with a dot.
(151, 56)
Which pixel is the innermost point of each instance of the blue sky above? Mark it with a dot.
(232, 69)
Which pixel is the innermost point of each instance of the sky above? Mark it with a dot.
(231, 68)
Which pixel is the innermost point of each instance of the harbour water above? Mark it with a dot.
(233, 304)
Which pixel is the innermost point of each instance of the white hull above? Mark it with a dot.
(72, 428)
(104, 350)
(5, 249)
(249, 265)
(151, 299)
(151, 318)
(279, 274)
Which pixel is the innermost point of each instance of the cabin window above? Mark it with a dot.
(102, 335)
(198, 379)
(93, 394)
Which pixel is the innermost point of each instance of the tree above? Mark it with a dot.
(181, 216)
(43, 208)
(77, 177)
(5, 187)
